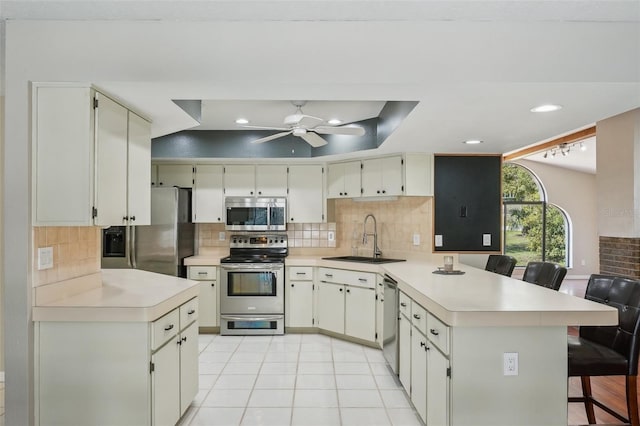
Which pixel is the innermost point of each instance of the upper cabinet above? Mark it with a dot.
(263, 180)
(239, 180)
(382, 176)
(271, 180)
(306, 202)
(208, 197)
(180, 175)
(343, 180)
(467, 203)
(106, 153)
(408, 174)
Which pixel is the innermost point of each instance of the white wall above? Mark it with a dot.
(618, 164)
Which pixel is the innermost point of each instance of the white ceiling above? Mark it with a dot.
(476, 67)
(580, 157)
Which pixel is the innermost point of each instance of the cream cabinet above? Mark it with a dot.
(343, 180)
(382, 176)
(424, 366)
(180, 175)
(209, 294)
(208, 194)
(239, 180)
(347, 302)
(299, 297)
(104, 178)
(117, 373)
(306, 202)
(271, 180)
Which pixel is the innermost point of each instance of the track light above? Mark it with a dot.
(582, 147)
(546, 153)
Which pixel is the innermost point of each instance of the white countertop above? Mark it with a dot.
(125, 295)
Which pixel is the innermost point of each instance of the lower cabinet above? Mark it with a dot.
(208, 300)
(423, 362)
(117, 373)
(360, 313)
(298, 297)
(331, 307)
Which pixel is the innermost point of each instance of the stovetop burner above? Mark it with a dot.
(257, 248)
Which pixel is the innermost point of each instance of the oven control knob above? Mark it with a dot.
(246, 241)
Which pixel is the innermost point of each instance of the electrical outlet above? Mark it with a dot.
(45, 258)
(416, 239)
(511, 363)
(222, 236)
(486, 240)
(331, 236)
(438, 241)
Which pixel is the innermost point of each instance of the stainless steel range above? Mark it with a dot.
(252, 285)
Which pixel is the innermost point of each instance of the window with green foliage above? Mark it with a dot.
(534, 230)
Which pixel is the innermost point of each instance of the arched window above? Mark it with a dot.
(534, 230)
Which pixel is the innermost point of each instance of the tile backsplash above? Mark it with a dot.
(76, 252)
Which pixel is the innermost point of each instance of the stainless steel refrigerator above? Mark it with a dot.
(160, 247)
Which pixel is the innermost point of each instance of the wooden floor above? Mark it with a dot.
(609, 390)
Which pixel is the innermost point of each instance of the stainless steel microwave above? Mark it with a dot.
(256, 214)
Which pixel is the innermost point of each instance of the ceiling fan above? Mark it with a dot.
(306, 127)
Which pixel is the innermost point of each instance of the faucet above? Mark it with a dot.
(376, 251)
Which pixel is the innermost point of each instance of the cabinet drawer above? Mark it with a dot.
(164, 328)
(438, 333)
(301, 273)
(419, 317)
(404, 304)
(188, 313)
(342, 276)
(202, 272)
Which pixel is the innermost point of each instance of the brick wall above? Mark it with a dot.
(620, 256)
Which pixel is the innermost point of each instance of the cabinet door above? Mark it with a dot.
(154, 174)
(299, 304)
(437, 388)
(305, 194)
(188, 366)
(380, 310)
(165, 384)
(111, 162)
(419, 373)
(391, 175)
(208, 304)
(331, 307)
(208, 197)
(371, 177)
(180, 175)
(352, 182)
(139, 173)
(360, 313)
(239, 180)
(404, 355)
(271, 180)
(335, 180)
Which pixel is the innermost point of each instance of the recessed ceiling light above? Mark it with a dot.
(334, 121)
(546, 108)
(472, 142)
(242, 121)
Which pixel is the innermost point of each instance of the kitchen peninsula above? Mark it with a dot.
(123, 351)
(471, 321)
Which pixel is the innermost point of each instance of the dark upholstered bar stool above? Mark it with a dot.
(501, 264)
(609, 350)
(545, 274)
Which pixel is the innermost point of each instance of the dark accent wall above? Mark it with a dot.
(391, 116)
(467, 202)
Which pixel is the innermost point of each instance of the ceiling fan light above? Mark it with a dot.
(546, 108)
(242, 121)
(334, 122)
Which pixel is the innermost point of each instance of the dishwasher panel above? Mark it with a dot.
(390, 323)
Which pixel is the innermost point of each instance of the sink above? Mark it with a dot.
(364, 259)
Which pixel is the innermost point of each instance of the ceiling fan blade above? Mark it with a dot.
(271, 137)
(247, 126)
(342, 130)
(313, 139)
(309, 122)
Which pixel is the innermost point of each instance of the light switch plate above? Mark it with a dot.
(221, 236)
(438, 240)
(416, 239)
(45, 258)
(486, 240)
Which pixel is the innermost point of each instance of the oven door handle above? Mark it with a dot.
(253, 267)
(251, 318)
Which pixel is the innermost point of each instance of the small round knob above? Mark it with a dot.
(378, 191)
(384, 192)
(341, 193)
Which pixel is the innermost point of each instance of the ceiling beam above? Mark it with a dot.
(571, 138)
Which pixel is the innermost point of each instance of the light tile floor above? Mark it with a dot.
(295, 379)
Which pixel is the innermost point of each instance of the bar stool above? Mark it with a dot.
(609, 350)
(545, 274)
(501, 264)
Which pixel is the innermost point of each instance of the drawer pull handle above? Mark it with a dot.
(416, 316)
(328, 275)
(202, 273)
(191, 312)
(404, 305)
(301, 273)
(169, 327)
(434, 332)
(362, 280)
